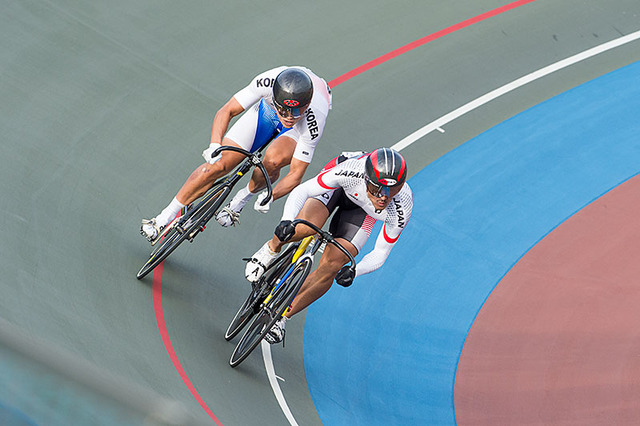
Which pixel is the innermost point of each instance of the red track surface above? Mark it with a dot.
(558, 341)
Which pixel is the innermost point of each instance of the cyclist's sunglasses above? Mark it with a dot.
(287, 112)
(378, 190)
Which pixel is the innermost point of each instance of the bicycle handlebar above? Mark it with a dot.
(325, 235)
(255, 161)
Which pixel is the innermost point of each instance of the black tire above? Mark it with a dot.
(270, 312)
(170, 242)
(187, 227)
(258, 292)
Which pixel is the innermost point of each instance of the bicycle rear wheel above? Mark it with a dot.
(258, 292)
(270, 312)
(186, 227)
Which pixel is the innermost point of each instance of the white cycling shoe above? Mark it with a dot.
(276, 334)
(228, 217)
(259, 262)
(150, 230)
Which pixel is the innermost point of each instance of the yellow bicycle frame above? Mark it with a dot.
(301, 248)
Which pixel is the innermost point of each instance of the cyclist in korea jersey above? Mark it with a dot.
(286, 107)
(361, 190)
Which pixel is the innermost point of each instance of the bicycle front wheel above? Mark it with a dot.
(270, 312)
(258, 292)
(185, 228)
(169, 243)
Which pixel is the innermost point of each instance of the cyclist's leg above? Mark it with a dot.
(243, 135)
(315, 286)
(351, 227)
(277, 156)
(316, 211)
(256, 128)
(320, 280)
(196, 185)
(204, 176)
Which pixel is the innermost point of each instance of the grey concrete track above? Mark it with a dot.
(106, 107)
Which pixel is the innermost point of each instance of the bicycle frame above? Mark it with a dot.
(185, 229)
(284, 290)
(315, 241)
(297, 255)
(324, 236)
(227, 183)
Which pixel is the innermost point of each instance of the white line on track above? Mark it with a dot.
(273, 381)
(436, 125)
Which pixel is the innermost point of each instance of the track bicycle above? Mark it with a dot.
(271, 297)
(197, 215)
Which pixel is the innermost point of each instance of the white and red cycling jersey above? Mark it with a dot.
(349, 176)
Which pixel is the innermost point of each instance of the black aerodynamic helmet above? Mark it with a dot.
(385, 168)
(292, 92)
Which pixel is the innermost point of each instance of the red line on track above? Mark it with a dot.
(157, 306)
(157, 273)
(424, 40)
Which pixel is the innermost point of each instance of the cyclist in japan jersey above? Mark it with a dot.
(362, 190)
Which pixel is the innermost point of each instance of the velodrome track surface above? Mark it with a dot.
(107, 105)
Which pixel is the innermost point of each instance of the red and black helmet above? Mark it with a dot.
(385, 167)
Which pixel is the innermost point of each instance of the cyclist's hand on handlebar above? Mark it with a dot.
(345, 276)
(285, 230)
(260, 208)
(207, 154)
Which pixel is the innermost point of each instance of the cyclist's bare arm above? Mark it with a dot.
(223, 118)
(297, 168)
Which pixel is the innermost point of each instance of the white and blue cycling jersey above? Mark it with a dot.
(260, 124)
